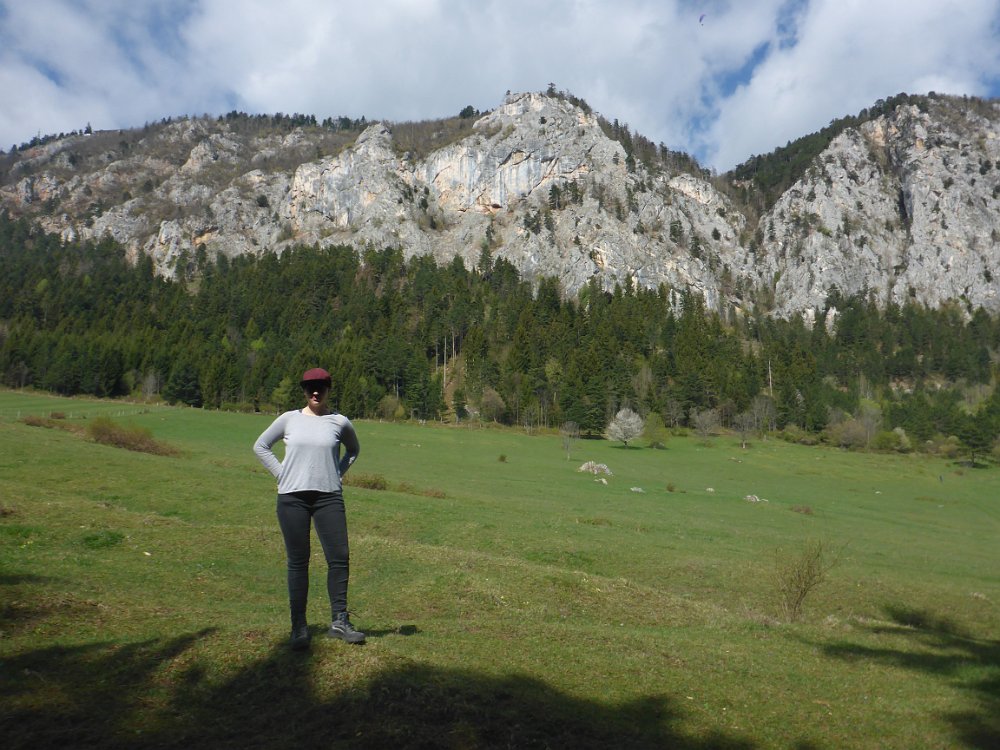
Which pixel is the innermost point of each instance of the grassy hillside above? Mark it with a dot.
(513, 602)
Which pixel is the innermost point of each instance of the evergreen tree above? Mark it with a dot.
(182, 385)
(79, 318)
(976, 433)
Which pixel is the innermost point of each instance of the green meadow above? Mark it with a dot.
(510, 600)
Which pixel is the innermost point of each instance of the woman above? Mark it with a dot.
(310, 490)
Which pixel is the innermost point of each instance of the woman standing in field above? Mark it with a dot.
(310, 493)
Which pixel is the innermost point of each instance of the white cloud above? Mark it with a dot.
(849, 54)
(753, 76)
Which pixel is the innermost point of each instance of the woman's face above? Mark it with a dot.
(316, 393)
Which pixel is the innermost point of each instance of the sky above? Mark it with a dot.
(722, 80)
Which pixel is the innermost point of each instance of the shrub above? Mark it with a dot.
(946, 447)
(886, 440)
(366, 481)
(655, 431)
(390, 408)
(903, 440)
(848, 434)
(795, 434)
(130, 437)
(379, 483)
(798, 573)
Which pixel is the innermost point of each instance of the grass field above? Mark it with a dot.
(508, 603)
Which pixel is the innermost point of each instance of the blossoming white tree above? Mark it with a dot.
(626, 426)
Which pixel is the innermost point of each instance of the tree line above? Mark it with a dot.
(408, 339)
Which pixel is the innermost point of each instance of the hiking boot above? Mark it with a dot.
(300, 638)
(342, 629)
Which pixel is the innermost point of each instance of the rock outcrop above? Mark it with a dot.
(903, 207)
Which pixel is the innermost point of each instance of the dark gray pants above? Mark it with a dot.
(297, 511)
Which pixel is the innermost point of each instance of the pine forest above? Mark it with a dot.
(408, 339)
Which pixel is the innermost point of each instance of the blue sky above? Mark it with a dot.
(752, 75)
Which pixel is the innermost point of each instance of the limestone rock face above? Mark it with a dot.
(902, 207)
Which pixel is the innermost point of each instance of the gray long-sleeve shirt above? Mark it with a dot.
(313, 460)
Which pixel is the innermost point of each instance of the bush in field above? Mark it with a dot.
(107, 432)
(390, 408)
(944, 446)
(799, 573)
(892, 440)
(850, 433)
(795, 434)
(366, 481)
(655, 431)
(379, 483)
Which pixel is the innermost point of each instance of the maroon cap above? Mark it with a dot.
(316, 374)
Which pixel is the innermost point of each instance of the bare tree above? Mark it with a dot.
(870, 418)
(744, 424)
(704, 421)
(570, 432)
(673, 413)
(764, 413)
(491, 404)
(625, 426)
(642, 382)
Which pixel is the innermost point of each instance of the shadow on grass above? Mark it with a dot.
(16, 579)
(938, 646)
(157, 694)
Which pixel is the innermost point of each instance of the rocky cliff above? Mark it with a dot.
(902, 207)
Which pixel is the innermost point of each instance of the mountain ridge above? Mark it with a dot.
(900, 204)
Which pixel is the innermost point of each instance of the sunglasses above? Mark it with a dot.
(316, 385)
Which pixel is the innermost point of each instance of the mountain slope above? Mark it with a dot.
(901, 205)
